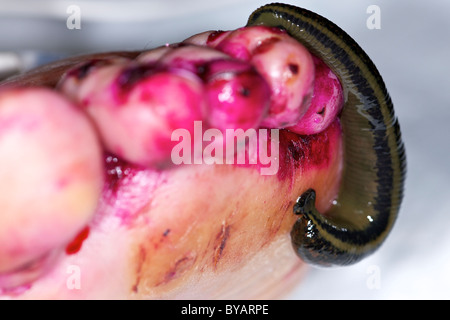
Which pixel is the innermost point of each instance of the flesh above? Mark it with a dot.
(178, 231)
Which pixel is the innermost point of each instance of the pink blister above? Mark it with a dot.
(283, 62)
(238, 97)
(327, 101)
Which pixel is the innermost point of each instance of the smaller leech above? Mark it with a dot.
(374, 170)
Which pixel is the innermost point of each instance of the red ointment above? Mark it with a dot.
(306, 152)
(76, 244)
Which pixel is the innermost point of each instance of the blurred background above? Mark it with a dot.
(411, 49)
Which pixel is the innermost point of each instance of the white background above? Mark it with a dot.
(411, 51)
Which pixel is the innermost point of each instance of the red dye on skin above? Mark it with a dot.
(298, 152)
(214, 35)
(129, 78)
(306, 151)
(266, 45)
(116, 170)
(76, 244)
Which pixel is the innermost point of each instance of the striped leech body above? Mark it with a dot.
(374, 170)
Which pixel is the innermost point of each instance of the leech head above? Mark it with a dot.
(304, 234)
(305, 203)
(308, 238)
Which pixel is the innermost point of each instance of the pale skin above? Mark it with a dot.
(189, 231)
(42, 181)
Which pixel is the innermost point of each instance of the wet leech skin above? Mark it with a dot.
(374, 155)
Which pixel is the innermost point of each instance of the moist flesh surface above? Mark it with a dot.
(146, 221)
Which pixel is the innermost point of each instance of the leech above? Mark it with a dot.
(375, 164)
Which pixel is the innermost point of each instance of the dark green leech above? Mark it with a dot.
(374, 155)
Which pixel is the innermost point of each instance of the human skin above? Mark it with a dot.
(191, 231)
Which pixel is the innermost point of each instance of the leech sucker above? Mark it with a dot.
(372, 185)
